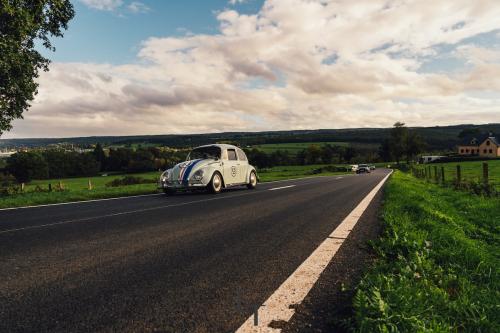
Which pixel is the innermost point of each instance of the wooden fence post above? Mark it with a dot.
(436, 178)
(22, 187)
(459, 175)
(50, 187)
(61, 186)
(442, 175)
(90, 185)
(485, 173)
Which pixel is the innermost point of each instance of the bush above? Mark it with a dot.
(129, 180)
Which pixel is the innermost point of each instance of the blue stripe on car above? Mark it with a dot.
(185, 179)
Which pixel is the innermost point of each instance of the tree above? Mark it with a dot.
(313, 154)
(100, 156)
(327, 153)
(384, 151)
(86, 165)
(22, 23)
(467, 132)
(26, 166)
(414, 146)
(348, 154)
(397, 140)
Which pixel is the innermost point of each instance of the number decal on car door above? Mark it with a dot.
(233, 171)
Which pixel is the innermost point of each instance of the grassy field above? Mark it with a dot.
(294, 148)
(296, 171)
(471, 171)
(438, 266)
(76, 189)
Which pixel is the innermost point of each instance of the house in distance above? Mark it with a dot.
(487, 146)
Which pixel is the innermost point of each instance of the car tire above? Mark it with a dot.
(252, 180)
(169, 191)
(215, 184)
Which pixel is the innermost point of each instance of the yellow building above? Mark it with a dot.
(487, 147)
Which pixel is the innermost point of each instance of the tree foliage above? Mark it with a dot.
(27, 166)
(401, 143)
(22, 24)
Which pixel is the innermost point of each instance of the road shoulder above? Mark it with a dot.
(329, 303)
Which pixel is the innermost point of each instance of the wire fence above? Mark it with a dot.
(475, 178)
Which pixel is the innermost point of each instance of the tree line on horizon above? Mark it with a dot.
(57, 163)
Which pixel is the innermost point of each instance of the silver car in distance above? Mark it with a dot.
(211, 167)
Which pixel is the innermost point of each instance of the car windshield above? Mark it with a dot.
(212, 152)
(363, 165)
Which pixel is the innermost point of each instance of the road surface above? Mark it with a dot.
(187, 263)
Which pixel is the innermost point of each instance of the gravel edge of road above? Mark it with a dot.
(328, 306)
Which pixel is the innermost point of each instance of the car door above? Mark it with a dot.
(242, 165)
(231, 168)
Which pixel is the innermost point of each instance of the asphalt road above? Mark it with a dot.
(187, 263)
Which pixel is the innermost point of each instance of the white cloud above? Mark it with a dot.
(138, 7)
(234, 2)
(103, 4)
(296, 64)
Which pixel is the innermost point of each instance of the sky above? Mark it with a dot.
(196, 66)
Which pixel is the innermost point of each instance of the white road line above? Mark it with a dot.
(82, 201)
(308, 177)
(280, 188)
(129, 212)
(279, 306)
(134, 196)
(126, 212)
(119, 214)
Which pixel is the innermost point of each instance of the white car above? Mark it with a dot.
(213, 167)
(354, 167)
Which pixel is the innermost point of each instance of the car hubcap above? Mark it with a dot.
(217, 182)
(253, 179)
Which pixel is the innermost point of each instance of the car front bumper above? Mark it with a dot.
(178, 185)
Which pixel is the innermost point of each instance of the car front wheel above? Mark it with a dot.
(252, 183)
(215, 185)
(169, 191)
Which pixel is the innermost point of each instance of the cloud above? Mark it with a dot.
(108, 5)
(234, 2)
(138, 7)
(296, 64)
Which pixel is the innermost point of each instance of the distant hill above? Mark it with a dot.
(437, 138)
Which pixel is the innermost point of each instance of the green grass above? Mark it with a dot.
(294, 148)
(76, 189)
(470, 171)
(438, 266)
(294, 171)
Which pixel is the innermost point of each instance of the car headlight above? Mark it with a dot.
(198, 175)
(165, 176)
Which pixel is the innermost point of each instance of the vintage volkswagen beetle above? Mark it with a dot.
(211, 167)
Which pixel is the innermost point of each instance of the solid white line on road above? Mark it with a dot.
(280, 188)
(279, 307)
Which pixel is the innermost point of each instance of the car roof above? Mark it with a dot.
(220, 145)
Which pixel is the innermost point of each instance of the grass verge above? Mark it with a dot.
(438, 266)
